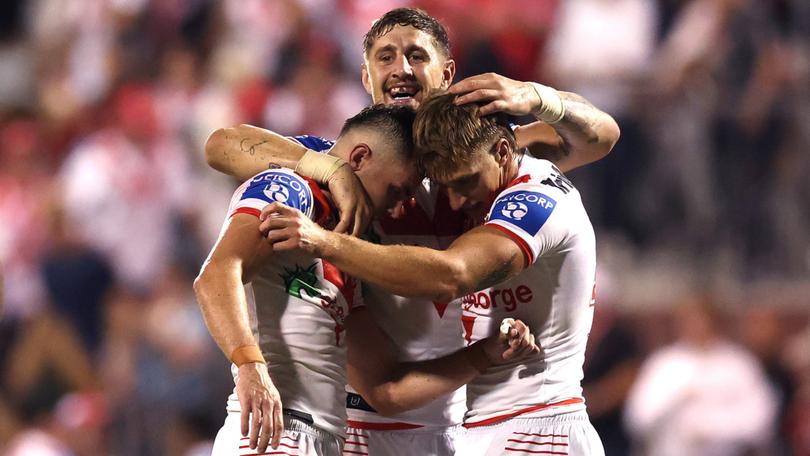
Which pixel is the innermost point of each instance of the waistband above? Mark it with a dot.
(295, 421)
(532, 409)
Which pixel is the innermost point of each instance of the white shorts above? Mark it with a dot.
(406, 442)
(298, 439)
(567, 434)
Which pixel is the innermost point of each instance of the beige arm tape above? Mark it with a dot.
(247, 354)
(318, 167)
(551, 109)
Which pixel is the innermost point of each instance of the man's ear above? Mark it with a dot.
(365, 78)
(359, 156)
(448, 73)
(502, 151)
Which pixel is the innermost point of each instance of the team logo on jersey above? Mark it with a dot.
(277, 192)
(282, 186)
(525, 209)
(514, 211)
(303, 283)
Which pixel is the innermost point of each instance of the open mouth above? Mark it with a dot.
(403, 94)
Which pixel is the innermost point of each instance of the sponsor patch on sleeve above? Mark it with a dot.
(281, 186)
(524, 209)
(315, 143)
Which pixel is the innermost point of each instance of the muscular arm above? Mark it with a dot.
(478, 259)
(392, 387)
(245, 150)
(221, 295)
(584, 135)
(219, 287)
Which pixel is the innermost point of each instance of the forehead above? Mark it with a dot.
(452, 174)
(404, 37)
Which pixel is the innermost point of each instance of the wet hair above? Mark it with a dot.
(414, 17)
(447, 135)
(394, 123)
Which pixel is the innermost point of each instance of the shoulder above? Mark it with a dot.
(275, 185)
(315, 143)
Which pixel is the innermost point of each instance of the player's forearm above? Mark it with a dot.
(417, 384)
(584, 135)
(221, 296)
(245, 150)
(588, 134)
(403, 270)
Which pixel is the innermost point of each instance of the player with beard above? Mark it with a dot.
(406, 54)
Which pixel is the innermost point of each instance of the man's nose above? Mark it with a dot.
(456, 200)
(403, 67)
(397, 211)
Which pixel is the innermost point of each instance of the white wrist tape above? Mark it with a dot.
(551, 109)
(506, 325)
(318, 167)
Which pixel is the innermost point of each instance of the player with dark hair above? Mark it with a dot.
(285, 333)
(533, 257)
(406, 55)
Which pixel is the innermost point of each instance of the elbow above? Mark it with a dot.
(385, 400)
(215, 149)
(203, 283)
(454, 283)
(609, 136)
(200, 285)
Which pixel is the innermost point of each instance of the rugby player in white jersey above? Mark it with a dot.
(287, 346)
(533, 258)
(406, 55)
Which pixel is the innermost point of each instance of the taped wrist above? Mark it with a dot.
(247, 354)
(551, 108)
(318, 167)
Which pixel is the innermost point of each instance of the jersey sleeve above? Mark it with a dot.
(533, 216)
(315, 143)
(274, 185)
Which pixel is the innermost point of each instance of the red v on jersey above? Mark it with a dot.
(440, 308)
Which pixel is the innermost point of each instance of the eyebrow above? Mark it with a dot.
(461, 179)
(408, 50)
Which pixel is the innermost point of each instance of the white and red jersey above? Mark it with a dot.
(299, 306)
(421, 329)
(543, 213)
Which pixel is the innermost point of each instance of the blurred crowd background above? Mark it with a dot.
(107, 208)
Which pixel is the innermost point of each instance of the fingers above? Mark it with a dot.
(267, 427)
(478, 95)
(244, 406)
(347, 218)
(278, 424)
(255, 422)
(275, 208)
(480, 81)
(361, 220)
(495, 106)
(521, 342)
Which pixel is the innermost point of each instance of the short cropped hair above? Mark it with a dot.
(447, 135)
(394, 122)
(414, 17)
